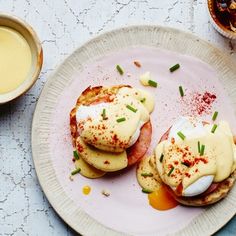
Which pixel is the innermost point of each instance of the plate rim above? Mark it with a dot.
(230, 63)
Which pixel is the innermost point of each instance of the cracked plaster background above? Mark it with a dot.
(62, 26)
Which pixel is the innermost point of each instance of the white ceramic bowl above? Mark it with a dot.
(36, 50)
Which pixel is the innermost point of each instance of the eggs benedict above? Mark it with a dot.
(110, 128)
(197, 161)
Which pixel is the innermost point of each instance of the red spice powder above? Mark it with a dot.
(202, 159)
(80, 148)
(187, 175)
(198, 103)
(172, 140)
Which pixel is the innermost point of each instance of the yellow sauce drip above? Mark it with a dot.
(15, 59)
(86, 190)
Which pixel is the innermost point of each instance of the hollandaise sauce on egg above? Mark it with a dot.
(107, 129)
(195, 155)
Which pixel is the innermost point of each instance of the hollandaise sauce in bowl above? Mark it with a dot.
(21, 57)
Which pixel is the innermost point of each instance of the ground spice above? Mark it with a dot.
(198, 103)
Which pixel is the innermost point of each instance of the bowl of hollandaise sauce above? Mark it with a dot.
(21, 57)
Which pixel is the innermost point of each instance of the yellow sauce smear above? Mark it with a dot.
(161, 199)
(15, 59)
(86, 190)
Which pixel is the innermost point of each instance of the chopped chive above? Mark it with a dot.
(104, 114)
(119, 69)
(161, 157)
(199, 147)
(143, 100)
(215, 115)
(181, 91)
(202, 150)
(147, 174)
(152, 83)
(214, 128)
(186, 164)
(131, 108)
(121, 119)
(175, 67)
(74, 172)
(144, 190)
(181, 135)
(171, 170)
(76, 155)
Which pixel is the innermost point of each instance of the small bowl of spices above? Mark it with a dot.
(21, 57)
(223, 16)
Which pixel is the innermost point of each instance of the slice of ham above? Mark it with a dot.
(138, 150)
(212, 187)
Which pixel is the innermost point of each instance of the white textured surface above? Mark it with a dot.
(62, 26)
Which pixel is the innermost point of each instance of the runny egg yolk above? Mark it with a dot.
(86, 190)
(161, 199)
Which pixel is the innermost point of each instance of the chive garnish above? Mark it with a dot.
(199, 147)
(143, 100)
(181, 135)
(161, 157)
(215, 115)
(181, 91)
(131, 108)
(144, 190)
(202, 150)
(171, 170)
(147, 174)
(175, 67)
(121, 119)
(119, 69)
(214, 128)
(76, 155)
(186, 164)
(152, 83)
(104, 114)
(74, 172)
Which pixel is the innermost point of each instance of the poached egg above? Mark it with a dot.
(183, 165)
(115, 126)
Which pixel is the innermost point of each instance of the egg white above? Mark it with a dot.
(95, 111)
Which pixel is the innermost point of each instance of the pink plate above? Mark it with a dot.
(126, 210)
